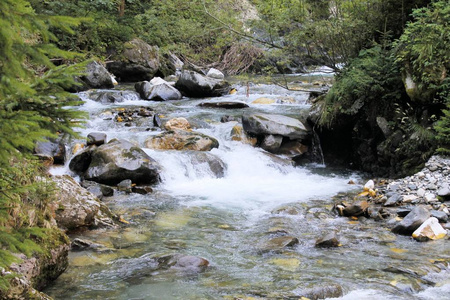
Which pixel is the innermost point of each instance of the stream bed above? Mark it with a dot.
(230, 220)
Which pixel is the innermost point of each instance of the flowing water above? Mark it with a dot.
(229, 221)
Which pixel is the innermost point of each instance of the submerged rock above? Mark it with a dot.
(279, 243)
(193, 84)
(181, 140)
(329, 240)
(412, 221)
(321, 292)
(429, 230)
(183, 262)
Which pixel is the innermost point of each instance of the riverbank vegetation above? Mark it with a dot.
(391, 58)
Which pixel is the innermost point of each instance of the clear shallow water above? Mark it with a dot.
(229, 220)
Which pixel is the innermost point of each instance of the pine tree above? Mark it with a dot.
(32, 101)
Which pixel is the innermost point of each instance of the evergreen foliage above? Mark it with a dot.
(32, 107)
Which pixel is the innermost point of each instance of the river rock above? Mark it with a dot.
(142, 190)
(440, 215)
(292, 149)
(264, 100)
(329, 240)
(116, 161)
(214, 164)
(265, 124)
(224, 104)
(181, 140)
(444, 193)
(96, 76)
(99, 190)
(157, 91)
(96, 138)
(279, 243)
(76, 207)
(412, 221)
(138, 61)
(193, 84)
(35, 272)
(53, 150)
(238, 134)
(125, 186)
(272, 143)
(216, 74)
(80, 245)
(331, 290)
(183, 262)
(178, 123)
(356, 209)
(393, 199)
(81, 161)
(429, 230)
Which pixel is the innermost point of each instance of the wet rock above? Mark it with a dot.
(53, 150)
(214, 163)
(265, 124)
(113, 96)
(138, 61)
(293, 149)
(157, 91)
(96, 138)
(181, 140)
(193, 84)
(329, 240)
(226, 119)
(440, 215)
(263, 100)
(183, 263)
(216, 74)
(157, 121)
(279, 243)
(224, 104)
(429, 230)
(412, 221)
(272, 143)
(142, 190)
(177, 123)
(125, 186)
(99, 190)
(321, 292)
(34, 273)
(238, 134)
(80, 245)
(97, 76)
(393, 200)
(357, 209)
(76, 207)
(119, 160)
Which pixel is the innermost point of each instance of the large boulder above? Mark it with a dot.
(162, 91)
(34, 273)
(193, 84)
(265, 124)
(216, 74)
(412, 221)
(76, 207)
(181, 140)
(53, 150)
(97, 76)
(116, 161)
(138, 61)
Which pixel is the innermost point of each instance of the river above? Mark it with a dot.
(230, 220)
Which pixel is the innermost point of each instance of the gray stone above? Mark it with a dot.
(97, 76)
(329, 240)
(444, 192)
(272, 143)
(265, 124)
(52, 150)
(162, 91)
(138, 61)
(412, 221)
(125, 186)
(393, 200)
(224, 104)
(440, 215)
(119, 160)
(193, 84)
(279, 243)
(216, 74)
(96, 138)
